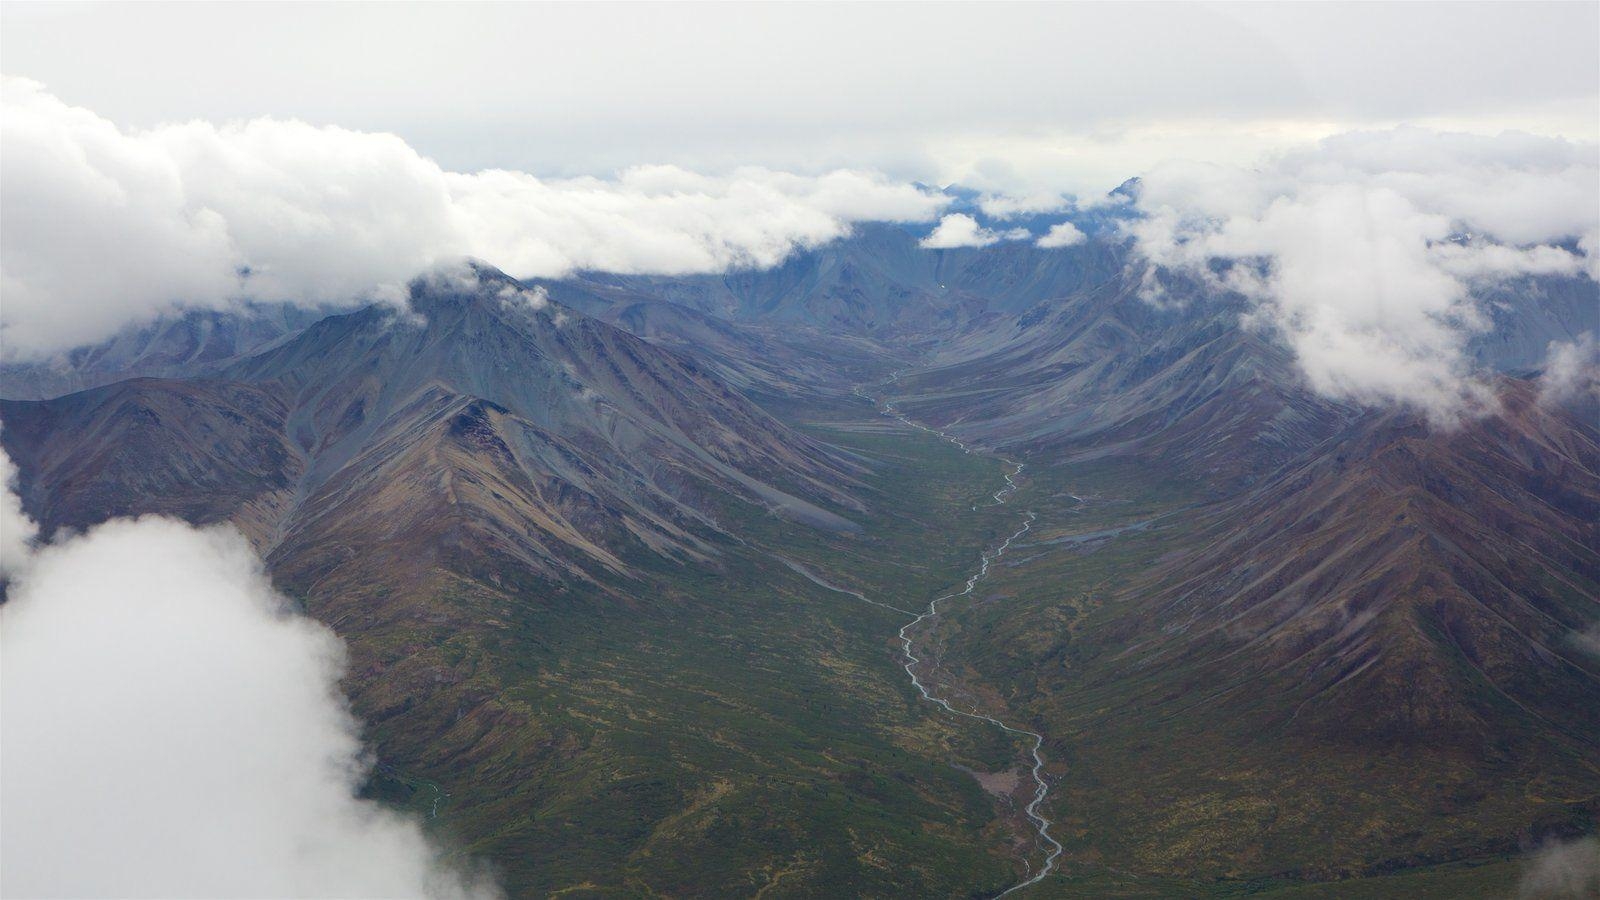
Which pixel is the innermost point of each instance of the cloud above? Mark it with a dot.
(962, 230)
(17, 530)
(1588, 639)
(531, 298)
(1366, 251)
(1003, 206)
(1562, 869)
(666, 220)
(1589, 246)
(1571, 370)
(103, 227)
(171, 728)
(1063, 234)
(1140, 84)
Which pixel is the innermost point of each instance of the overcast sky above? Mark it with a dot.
(1004, 97)
(204, 156)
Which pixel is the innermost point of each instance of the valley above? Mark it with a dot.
(1080, 598)
(954, 451)
(908, 632)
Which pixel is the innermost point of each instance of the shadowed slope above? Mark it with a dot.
(1371, 659)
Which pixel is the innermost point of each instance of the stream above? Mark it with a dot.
(1041, 790)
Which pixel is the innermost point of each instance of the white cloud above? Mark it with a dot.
(105, 228)
(1589, 246)
(1571, 369)
(16, 529)
(962, 230)
(1062, 234)
(1364, 251)
(673, 84)
(1005, 206)
(665, 220)
(171, 728)
(532, 298)
(1351, 248)
(1562, 869)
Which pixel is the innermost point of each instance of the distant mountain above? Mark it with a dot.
(1015, 347)
(1101, 371)
(188, 344)
(1526, 314)
(772, 361)
(879, 283)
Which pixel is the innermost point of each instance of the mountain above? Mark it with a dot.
(1373, 659)
(774, 362)
(202, 451)
(1527, 314)
(1268, 635)
(573, 442)
(879, 283)
(1105, 372)
(599, 546)
(563, 560)
(188, 344)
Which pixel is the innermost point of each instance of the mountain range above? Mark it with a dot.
(600, 545)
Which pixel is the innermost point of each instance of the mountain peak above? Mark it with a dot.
(471, 282)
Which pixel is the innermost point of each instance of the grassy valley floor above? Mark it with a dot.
(733, 729)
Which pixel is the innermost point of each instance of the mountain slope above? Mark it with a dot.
(199, 450)
(776, 363)
(187, 345)
(1372, 659)
(879, 283)
(553, 550)
(1266, 636)
(1104, 372)
(582, 423)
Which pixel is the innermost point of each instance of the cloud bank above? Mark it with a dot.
(1141, 83)
(105, 227)
(170, 728)
(1365, 252)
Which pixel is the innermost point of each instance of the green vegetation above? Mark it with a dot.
(1478, 880)
(1167, 781)
(721, 729)
(729, 727)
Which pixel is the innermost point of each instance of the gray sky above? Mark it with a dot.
(1012, 97)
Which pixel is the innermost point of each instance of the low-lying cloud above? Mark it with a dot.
(1366, 252)
(1571, 370)
(1007, 206)
(169, 727)
(17, 530)
(1061, 234)
(1562, 870)
(961, 230)
(105, 227)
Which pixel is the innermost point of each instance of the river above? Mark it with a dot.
(1036, 816)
